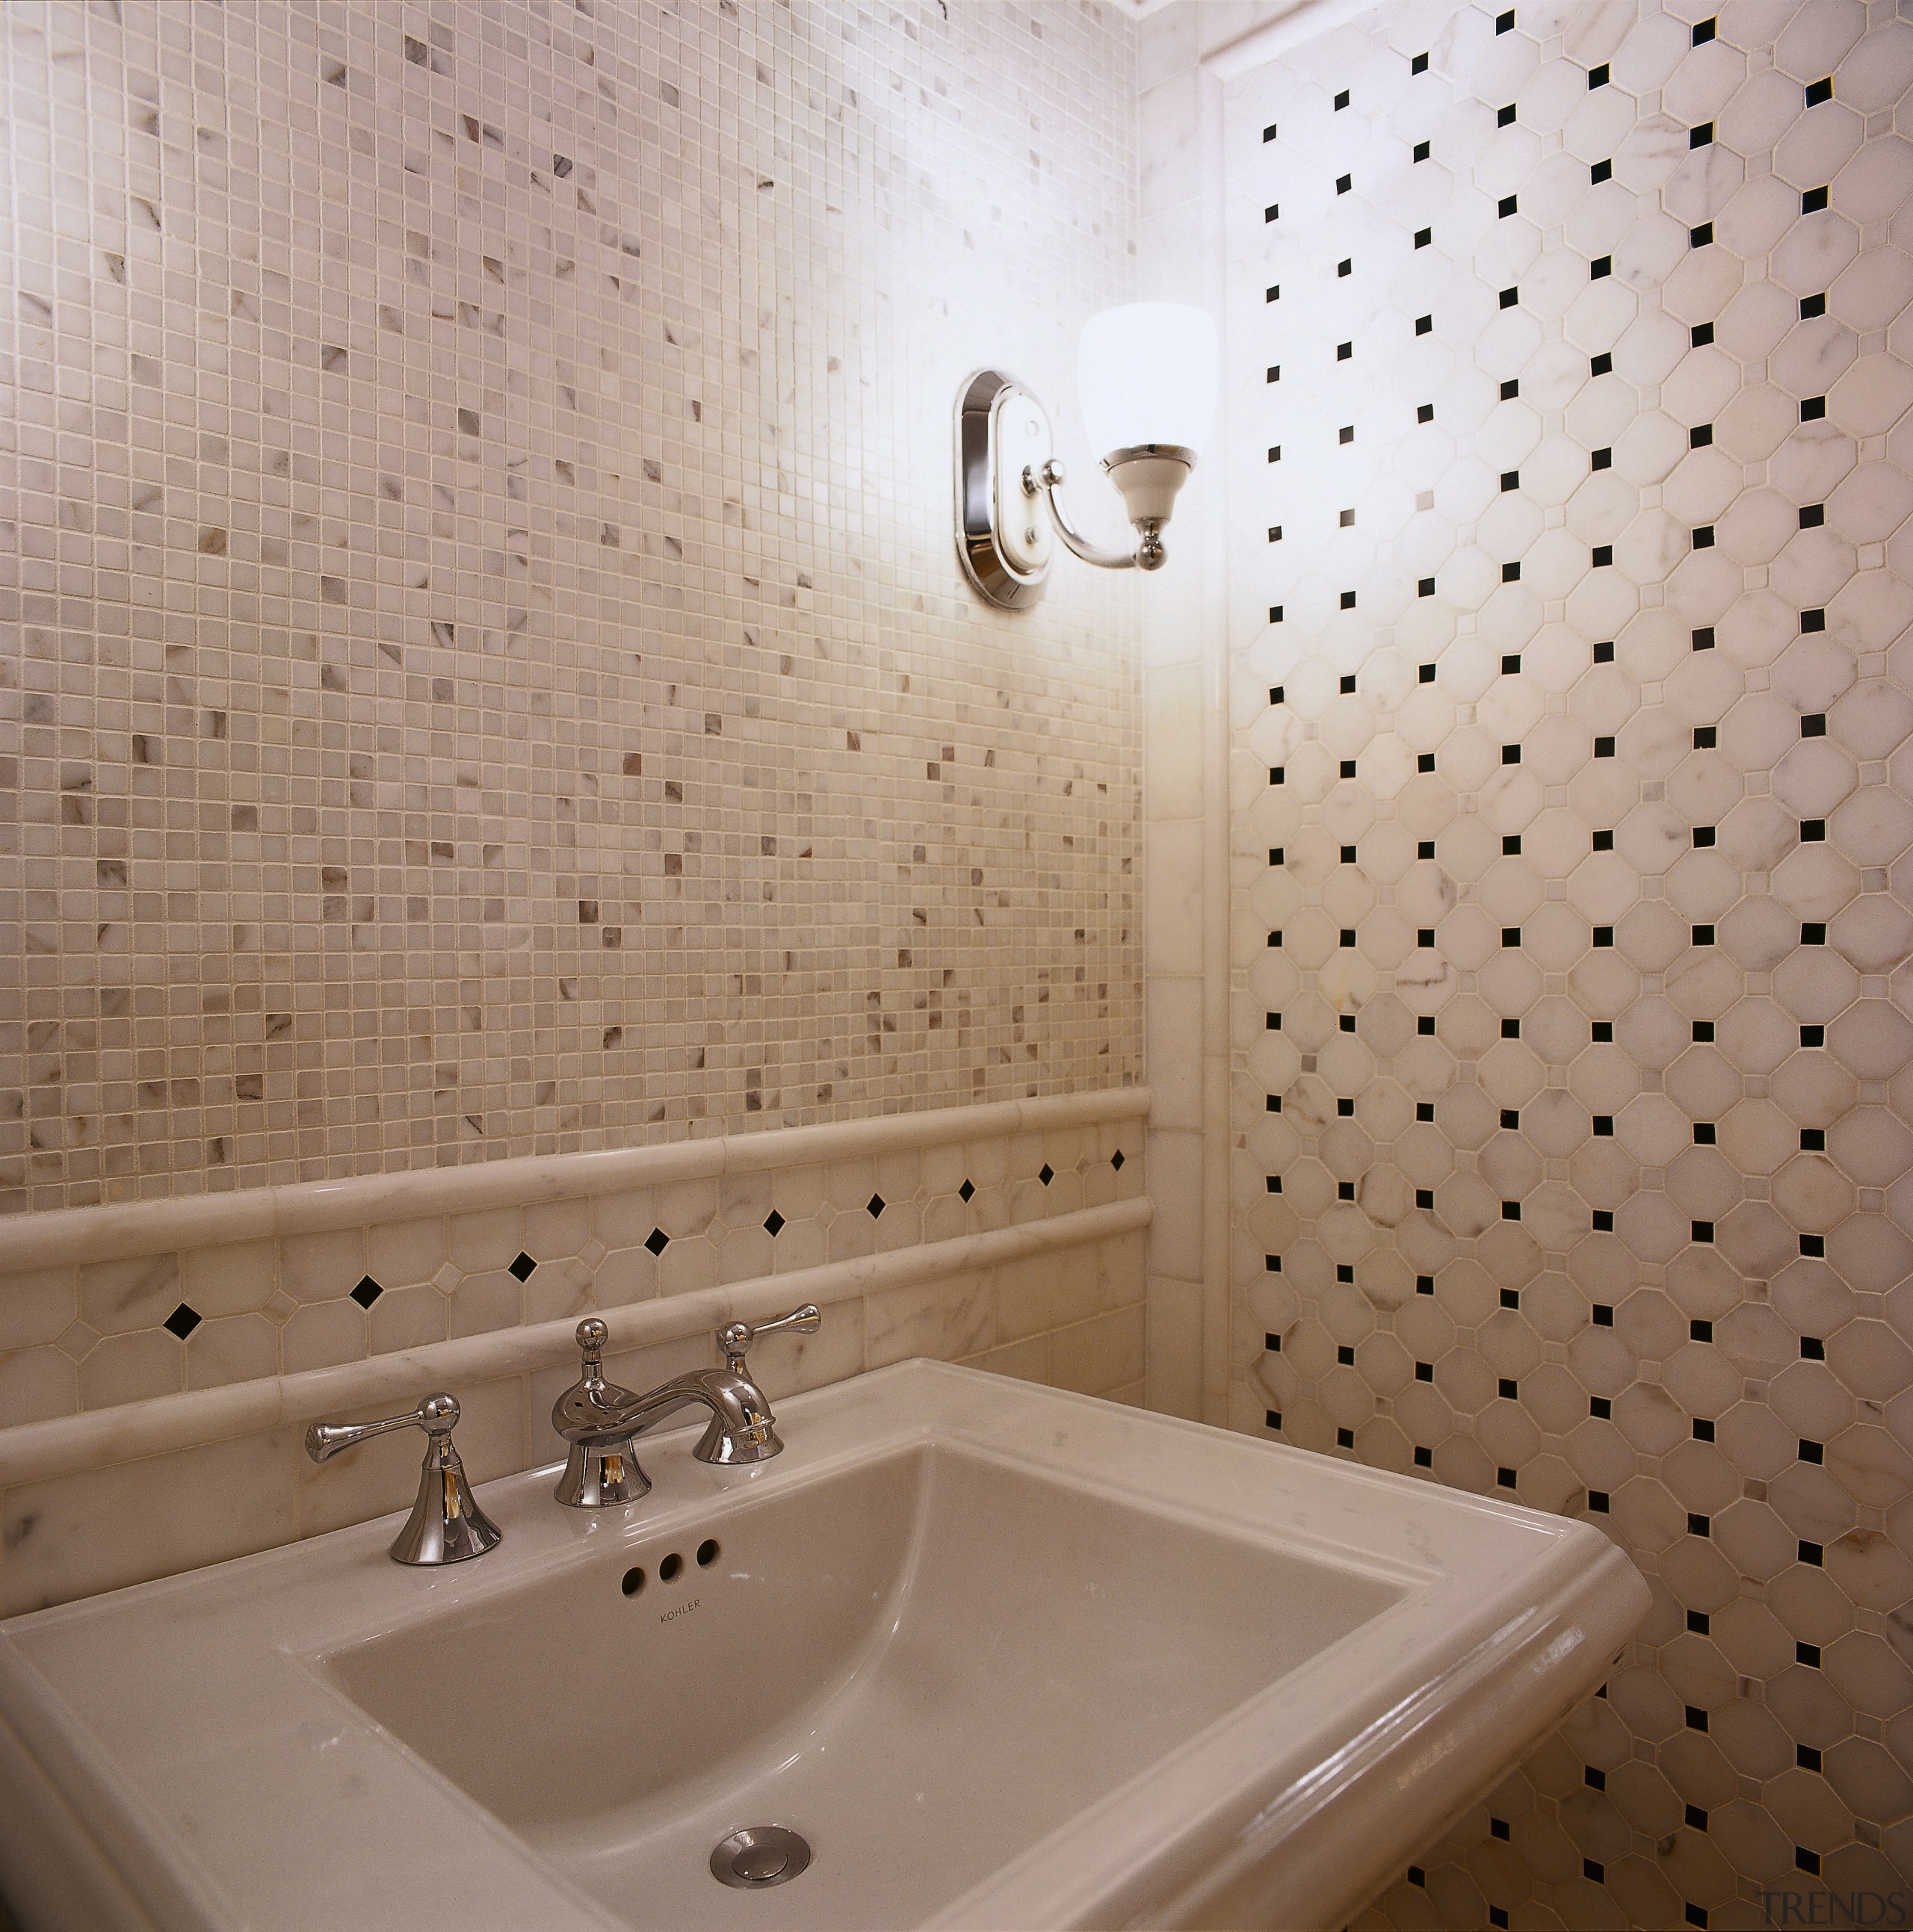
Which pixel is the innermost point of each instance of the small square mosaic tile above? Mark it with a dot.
(484, 667)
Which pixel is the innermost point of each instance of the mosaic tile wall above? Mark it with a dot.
(1571, 707)
(484, 667)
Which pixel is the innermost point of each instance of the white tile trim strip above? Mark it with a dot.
(97, 1438)
(68, 1236)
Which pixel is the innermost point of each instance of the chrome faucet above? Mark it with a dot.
(602, 1422)
(446, 1525)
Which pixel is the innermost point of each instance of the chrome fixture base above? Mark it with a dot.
(1010, 573)
(602, 1477)
(446, 1525)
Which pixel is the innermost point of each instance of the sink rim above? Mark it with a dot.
(1380, 1567)
(1087, 1868)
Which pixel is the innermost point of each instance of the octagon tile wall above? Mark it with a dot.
(1569, 576)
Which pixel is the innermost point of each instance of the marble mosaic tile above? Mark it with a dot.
(1572, 693)
(483, 666)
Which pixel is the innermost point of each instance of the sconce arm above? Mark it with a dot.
(1148, 553)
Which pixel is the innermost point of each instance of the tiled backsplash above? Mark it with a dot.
(1571, 702)
(90, 1333)
(486, 666)
(1010, 1237)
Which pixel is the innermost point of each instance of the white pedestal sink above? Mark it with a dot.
(1003, 1656)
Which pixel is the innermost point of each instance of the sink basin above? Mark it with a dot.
(1002, 1656)
(859, 1645)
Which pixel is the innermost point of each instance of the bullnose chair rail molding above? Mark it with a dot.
(97, 1438)
(63, 1236)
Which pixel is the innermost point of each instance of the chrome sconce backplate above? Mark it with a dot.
(1004, 536)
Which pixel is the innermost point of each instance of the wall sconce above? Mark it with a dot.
(1146, 379)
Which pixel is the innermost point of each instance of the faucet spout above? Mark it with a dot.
(602, 1422)
(741, 1429)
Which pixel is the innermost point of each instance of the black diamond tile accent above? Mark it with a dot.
(523, 1266)
(367, 1292)
(1047, 1174)
(657, 1240)
(773, 1224)
(966, 1191)
(1115, 1160)
(182, 1320)
(875, 1206)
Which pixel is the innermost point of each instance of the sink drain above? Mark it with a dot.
(758, 1855)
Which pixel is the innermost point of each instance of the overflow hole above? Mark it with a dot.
(707, 1553)
(634, 1582)
(668, 1569)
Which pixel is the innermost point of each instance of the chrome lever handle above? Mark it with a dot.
(437, 1415)
(734, 1338)
(446, 1525)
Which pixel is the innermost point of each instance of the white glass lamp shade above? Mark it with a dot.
(1148, 373)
